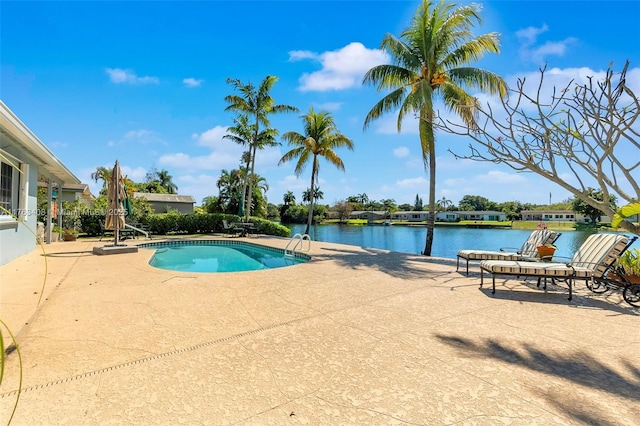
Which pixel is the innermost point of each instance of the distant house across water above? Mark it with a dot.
(163, 203)
(563, 216)
(450, 216)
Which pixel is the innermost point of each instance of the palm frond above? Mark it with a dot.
(478, 78)
(391, 102)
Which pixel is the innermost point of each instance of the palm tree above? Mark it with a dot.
(317, 195)
(166, 181)
(363, 198)
(444, 204)
(242, 134)
(258, 104)
(430, 59)
(321, 137)
(102, 173)
(289, 198)
(229, 185)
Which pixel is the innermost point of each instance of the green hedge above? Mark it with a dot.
(205, 223)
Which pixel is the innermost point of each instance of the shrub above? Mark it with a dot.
(205, 223)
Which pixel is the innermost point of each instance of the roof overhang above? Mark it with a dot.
(13, 132)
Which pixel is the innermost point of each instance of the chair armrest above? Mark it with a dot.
(510, 249)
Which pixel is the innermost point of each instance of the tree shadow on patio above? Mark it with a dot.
(578, 367)
(396, 264)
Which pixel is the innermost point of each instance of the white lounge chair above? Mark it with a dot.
(529, 249)
(592, 261)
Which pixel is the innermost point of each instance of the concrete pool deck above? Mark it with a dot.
(356, 336)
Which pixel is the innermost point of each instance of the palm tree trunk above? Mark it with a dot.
(312, 194)
(426, 131)
(247, 211)
(431, 220)
(244, 185)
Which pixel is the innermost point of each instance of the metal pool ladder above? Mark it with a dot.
(299, 239)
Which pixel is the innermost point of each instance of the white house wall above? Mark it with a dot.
(18, 238)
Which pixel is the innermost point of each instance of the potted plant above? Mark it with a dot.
(629, 265)
(546, 251)
(56, 233)
(70, 234)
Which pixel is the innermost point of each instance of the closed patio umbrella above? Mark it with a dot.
(116, 195)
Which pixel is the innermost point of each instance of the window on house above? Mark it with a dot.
(6, 189)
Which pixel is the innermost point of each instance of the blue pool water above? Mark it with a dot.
(218, 256)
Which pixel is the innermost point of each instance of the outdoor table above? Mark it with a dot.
(246, 227)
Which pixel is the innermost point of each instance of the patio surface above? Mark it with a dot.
(356, 336)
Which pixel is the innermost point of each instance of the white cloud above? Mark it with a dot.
(418, 182)
(192, 82)
(293, 183)
(537, 53)
(401, 152)
(498, 177)
(328, 106)
(141, 136)
(136, 174)
(528, 35)
(216, 160)
(126, 76)
(198, 186)
(297, 55)
(341, 69)
(211, 137)
(454, 182)
(388, 124)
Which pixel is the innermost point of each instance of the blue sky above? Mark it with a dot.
(144, 82)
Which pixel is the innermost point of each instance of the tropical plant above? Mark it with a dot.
(320, 139)
(629, 261)
(229, 191)
(257, 104)
(624, 213)
(430, 59)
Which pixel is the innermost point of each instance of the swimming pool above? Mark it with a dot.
(219, 256)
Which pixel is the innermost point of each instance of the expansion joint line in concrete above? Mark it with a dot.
(151, 358)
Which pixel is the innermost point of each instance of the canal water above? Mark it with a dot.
(446, 240)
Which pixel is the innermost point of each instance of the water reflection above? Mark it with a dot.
(446, 241)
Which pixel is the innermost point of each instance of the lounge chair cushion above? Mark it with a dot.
(529, 249)
(487, 255)
(537, 238)
(599, 251)
(508, 267)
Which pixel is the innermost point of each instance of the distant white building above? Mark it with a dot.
(450, 216)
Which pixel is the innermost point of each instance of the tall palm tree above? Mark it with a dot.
(430, 59)
(258, 104)
(320, 139)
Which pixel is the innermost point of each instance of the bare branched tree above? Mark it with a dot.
(590, 131)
